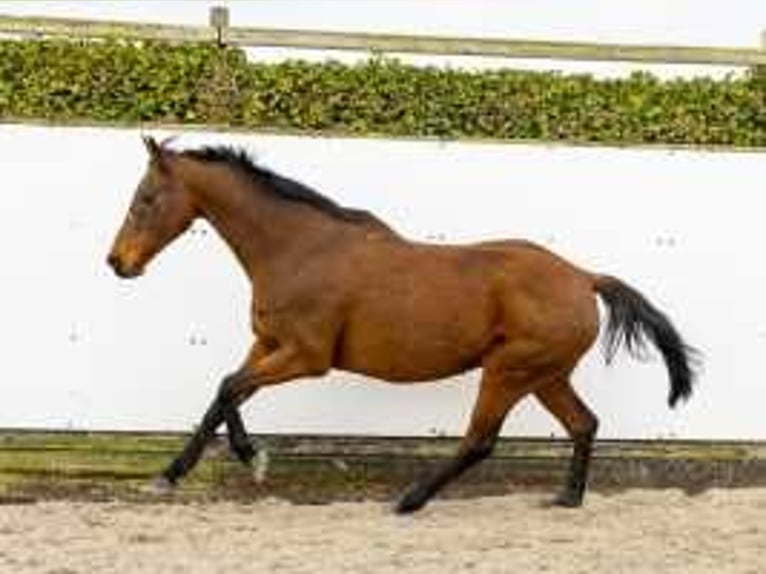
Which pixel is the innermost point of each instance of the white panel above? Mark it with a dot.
(84, 350)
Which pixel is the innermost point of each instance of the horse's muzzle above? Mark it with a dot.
(120, 269)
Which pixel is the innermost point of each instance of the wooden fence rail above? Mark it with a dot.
(219, 31)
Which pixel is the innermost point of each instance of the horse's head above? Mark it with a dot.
(160, 211)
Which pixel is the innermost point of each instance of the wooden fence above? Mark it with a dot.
(220, 32)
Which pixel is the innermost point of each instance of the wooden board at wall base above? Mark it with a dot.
(318, 469)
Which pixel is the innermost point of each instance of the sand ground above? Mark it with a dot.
(719, 531)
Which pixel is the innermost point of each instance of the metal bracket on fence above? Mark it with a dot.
(219, 19)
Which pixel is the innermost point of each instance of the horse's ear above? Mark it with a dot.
(154, 149)
(156, 152)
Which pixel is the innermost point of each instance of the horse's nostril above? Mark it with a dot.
(123, 269)
(116, 264)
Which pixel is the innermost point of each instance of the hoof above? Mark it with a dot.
(160, 486)
(244, 453)
(410, 502)
(567, 499)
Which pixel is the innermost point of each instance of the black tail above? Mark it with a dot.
(632, 319)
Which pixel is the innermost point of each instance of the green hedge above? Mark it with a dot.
(134, 82)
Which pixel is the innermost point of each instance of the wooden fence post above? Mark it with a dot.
(219, 99)
(219, 19)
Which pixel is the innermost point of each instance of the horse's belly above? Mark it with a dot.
(414, 347)
(408, 365)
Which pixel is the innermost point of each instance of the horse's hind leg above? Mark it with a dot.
(581, 424)
(497, 395)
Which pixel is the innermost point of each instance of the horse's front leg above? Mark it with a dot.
(283, 364)
(239, 441)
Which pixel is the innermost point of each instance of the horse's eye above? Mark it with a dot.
(147, 200)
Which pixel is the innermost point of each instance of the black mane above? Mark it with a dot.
(280, 186)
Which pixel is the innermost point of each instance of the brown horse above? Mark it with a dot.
(336, 287)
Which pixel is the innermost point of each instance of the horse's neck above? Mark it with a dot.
(263, 231)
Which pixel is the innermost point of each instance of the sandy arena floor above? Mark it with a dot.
(722, 532)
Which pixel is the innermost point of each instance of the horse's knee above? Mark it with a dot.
(232, 387)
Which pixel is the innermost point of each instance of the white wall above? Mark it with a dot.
(82, 349)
